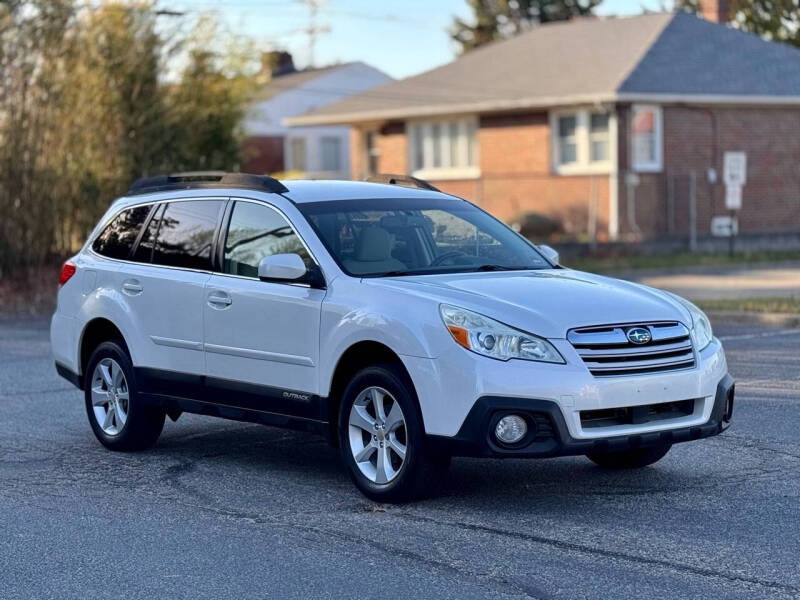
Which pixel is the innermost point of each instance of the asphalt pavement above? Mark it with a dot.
(229, 510)
(723, 282)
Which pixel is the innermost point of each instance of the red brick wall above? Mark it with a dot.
(695, 138)
(392, 149)
(357, 158)
(262, 154)
(514, 155)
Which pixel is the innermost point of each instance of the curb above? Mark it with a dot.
(765, 318)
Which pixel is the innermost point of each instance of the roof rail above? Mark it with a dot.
(205, 179)
(404, 180)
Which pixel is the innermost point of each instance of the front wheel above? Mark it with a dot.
(382, 438)
(630, 459)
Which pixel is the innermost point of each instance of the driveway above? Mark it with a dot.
(228, 510)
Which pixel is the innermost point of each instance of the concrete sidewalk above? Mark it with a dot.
(723, 282)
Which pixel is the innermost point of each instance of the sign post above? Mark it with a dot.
(735, 176)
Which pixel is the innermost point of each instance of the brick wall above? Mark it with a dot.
(392, 148)
(357, 158)
(514, 158)
(695, 138)
(262, 154)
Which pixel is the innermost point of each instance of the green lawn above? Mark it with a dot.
(619, 263)
(759, 305)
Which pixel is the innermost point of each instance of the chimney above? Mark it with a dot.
(716, 11)
(275, 63)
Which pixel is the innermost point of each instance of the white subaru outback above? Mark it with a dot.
(405, 324)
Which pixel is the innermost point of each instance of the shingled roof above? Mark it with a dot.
(659, 56)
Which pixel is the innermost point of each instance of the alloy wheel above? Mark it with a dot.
(110, 396)
(378, 438)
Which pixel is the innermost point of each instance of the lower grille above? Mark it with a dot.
(636, 415)
(544, 428)
(608, 350)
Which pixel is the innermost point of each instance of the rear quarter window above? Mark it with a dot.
(117, 239)
(186, 234)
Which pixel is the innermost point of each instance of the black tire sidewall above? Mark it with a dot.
(392, 379)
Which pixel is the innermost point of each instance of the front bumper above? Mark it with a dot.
(551, 436)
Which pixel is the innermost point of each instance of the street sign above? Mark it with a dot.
(735, 169)
(724, 226)
(733, 197)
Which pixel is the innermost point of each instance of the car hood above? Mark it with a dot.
(545, 302)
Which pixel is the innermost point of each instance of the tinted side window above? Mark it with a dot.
(118, 237)
(144, 251)
(256, 231)
(186, 234)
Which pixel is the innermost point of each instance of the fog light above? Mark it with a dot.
(511, 429)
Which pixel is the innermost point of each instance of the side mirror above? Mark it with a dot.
(550, 254)
(281, 267)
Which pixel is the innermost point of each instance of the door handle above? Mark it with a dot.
(219, 300)
(132, 287)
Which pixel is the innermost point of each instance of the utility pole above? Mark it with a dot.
(313, 29)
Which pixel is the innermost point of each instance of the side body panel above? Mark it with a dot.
(267, 335)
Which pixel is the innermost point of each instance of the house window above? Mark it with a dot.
(372, 152)
(331, 150)
(581, 141)
(646, 138)
(567, 139)
(598, 137)
(297, 154)
(443, 148)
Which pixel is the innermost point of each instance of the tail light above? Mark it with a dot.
(67, 271)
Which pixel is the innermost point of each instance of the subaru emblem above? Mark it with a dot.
(639, 335)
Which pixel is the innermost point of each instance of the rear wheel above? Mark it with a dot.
(118, 418)
(630, 459)
(382, 438)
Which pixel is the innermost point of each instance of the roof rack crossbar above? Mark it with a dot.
(205, 179)
(404, 180)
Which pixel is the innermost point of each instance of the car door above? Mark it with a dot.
(164, 287)
(261, 338)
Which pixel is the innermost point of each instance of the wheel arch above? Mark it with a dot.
(94, 333)
(357, 356)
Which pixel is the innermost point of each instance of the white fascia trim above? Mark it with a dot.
(543, 103)
(448, 173)
(731, 99)
(406, 113)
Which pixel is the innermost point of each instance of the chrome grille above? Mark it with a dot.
(607, 351)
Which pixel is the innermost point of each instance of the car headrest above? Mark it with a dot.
(374, 244)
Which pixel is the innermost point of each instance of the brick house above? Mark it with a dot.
(602, 123)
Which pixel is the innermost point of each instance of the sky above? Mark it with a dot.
(399, 37)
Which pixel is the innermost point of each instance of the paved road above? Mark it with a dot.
(227, 510)
(723, 282)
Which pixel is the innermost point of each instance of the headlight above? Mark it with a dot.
(701, 326)
(490, 338)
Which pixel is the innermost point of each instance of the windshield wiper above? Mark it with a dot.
(401, 273)
(397, 273)
(502, 268)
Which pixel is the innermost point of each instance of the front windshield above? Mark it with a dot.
(385, 237)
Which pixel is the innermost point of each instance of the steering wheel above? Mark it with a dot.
(446, 256)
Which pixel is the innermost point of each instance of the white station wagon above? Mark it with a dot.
(405, 324)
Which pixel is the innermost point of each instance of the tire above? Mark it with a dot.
(132, 425)
(630, 459)
(398, 481)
